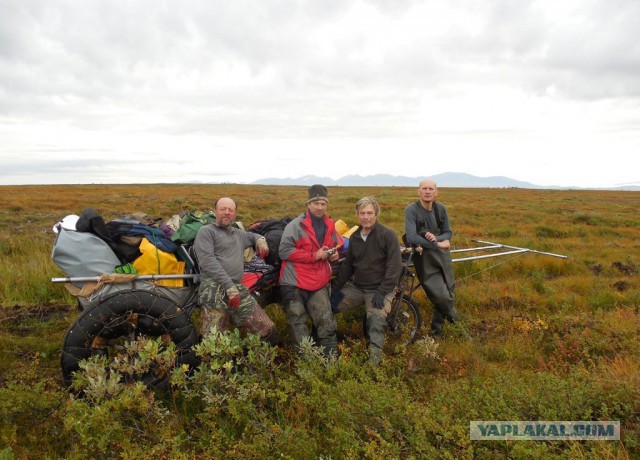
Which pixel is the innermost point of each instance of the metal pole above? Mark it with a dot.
(486, 256)
(480, 248)
(529, 250)
(96, 279)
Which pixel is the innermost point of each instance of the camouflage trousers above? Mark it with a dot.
(249, 317)
(375, 320)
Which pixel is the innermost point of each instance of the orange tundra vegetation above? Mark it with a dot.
(549, 339)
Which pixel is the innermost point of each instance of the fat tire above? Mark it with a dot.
(156, 315)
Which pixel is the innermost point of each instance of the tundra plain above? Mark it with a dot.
(548, 339)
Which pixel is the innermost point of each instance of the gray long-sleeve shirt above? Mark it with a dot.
(417, 221)
(220, 252)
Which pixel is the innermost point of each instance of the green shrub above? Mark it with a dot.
(30, 401)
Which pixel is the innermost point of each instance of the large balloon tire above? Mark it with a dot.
(116, 315)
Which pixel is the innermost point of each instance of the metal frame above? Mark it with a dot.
(97, 279)
(494, 246)
(491, 247)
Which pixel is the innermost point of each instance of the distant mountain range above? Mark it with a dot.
(448, 179)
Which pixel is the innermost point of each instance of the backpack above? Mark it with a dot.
(189, 226)
(272, 230)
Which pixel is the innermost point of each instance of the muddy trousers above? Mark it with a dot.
(375, 320)
(249, 317)
(442, 299)
(301, 305)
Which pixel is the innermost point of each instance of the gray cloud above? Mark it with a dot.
(64, 59)
(307, 69)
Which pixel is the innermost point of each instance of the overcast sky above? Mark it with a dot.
(233, 91)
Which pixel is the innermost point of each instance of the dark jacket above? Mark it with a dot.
(375, 264)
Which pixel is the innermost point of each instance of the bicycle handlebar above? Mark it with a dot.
(410, 249)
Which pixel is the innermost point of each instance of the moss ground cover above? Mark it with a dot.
(550, 340)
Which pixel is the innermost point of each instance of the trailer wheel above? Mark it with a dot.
(125, 315)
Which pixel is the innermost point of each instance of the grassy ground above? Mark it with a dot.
(551, 339)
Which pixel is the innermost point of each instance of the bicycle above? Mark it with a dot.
(405, 319)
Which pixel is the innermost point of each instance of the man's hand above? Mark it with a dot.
(430, 237)
(446, 244)
(262, 248)
(325, 253)
(233, 297)
(378, 301)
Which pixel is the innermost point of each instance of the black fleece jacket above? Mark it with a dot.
(375, 264)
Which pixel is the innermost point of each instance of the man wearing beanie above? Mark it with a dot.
(309, 244)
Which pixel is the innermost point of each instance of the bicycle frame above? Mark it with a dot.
(404, 293)
(407, 283)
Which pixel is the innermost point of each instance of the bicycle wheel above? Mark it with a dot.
(404, 321)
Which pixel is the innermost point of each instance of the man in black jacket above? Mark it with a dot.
(373, 262)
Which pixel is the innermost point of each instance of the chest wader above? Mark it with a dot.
(435, 273)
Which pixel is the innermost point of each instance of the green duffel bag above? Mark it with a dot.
(189, 226)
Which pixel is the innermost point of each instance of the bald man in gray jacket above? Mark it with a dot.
(220, 249)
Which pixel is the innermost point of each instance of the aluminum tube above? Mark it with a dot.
(480, 248)
(486, 256)
(96, 279)
(530, 250)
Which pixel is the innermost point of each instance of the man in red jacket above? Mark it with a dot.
(308, 246)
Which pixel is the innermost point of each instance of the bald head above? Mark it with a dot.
(225, 212)
(428, 182)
